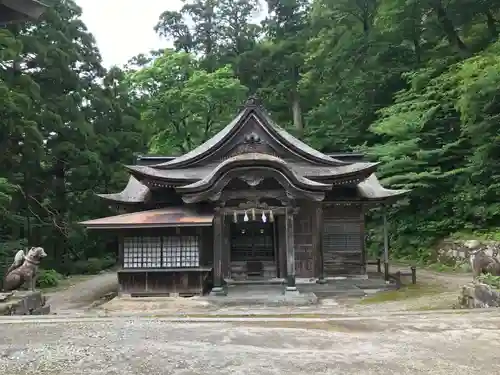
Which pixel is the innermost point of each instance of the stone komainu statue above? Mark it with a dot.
(24, 269)
(482, 263)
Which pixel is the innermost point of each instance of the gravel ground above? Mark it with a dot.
(404, 344)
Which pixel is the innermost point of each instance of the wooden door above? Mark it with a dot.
(252, 241)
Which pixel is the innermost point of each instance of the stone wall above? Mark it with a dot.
(454, 252)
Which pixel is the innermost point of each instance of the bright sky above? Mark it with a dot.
(124, 28)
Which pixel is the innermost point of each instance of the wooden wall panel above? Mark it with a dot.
(343, 240)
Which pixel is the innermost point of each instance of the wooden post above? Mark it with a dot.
(291, 287)
(319, 244)
(398, 279)
(413, 275)
(217, 289)
(386, 246)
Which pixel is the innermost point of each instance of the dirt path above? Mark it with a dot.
(440, 291)
(82, 294)
(447, 280)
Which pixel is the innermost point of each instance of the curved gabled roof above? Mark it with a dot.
(254, 161)
(370, 189)
(189, 175)
(289, 142)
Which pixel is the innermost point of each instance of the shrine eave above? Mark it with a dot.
(20, 10)
(372, 190)
(176, 177)
(157, 218)
(260, 166)
(134, 192)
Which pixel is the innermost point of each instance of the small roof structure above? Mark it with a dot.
(164, 217)
(20, 10)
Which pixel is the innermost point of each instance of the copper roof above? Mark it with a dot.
(163, 217)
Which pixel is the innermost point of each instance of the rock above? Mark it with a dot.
(24, 303)
(5, 296)
(472, 244)
(478, 295)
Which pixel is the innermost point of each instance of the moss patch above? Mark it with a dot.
(407, 292)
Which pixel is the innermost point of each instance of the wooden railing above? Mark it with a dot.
(396, 276)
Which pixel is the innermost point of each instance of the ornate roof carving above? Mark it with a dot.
(213, 191)
(259, 164)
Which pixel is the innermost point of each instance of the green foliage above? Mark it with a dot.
(48, 278)
(92, 266)
(414, 84)
(493, 281)
(67, 127)
(185, 105)
(481, 235)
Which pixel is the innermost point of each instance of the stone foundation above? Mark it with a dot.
(23, 303)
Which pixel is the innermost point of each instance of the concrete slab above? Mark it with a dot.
(268, 295)
(308, 293)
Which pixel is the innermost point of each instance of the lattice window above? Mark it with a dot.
(151, 252)
(157, 252)
(342, 237)
(132, 252)
(181, 251)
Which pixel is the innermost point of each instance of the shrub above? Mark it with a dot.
(92, 266)
(493, 281)
(48, 278)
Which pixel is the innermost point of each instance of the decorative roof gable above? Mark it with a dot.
(252, 130)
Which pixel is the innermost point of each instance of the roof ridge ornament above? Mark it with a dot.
(253, 101)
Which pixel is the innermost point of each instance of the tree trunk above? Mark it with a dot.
(492, 25)
(297, 113)
(448, 28)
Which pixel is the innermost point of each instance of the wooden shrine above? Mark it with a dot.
(251, 203)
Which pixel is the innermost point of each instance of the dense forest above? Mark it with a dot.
(414, 84)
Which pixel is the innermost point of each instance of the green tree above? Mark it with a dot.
(184, 104)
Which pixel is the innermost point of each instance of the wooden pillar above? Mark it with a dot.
(363, 241)
(218, 288)
(386, 246)
(290, 252)
(320, 269)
